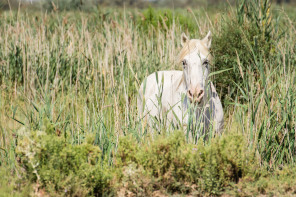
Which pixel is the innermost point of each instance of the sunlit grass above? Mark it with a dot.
(78, 74)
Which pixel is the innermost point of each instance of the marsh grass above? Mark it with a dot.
(76, 75)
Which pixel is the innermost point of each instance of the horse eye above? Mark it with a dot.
(206, 62)
(184, 63)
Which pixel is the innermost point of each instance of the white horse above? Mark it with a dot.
(184, 98)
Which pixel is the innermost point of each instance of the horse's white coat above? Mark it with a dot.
(168, 92)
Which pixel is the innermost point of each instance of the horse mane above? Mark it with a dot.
(192, 45)
(187, 49)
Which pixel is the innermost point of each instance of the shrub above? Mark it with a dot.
(172, 165)
(279, 183)
(250, 43)
(11, 185)
(157, 19)
(62, 168)
(163, 20)
(244, 37)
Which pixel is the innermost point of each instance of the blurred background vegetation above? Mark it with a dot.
(88, 5)
(69, 77)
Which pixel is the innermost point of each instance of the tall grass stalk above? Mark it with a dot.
(78, 74)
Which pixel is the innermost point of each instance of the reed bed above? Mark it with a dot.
(76, 74)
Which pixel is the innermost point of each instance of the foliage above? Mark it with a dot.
(70, 5)
(157, 19)
(169, 164)
(68, 89)
(164, 19)
(62, 168)
(248, 43)
(242, 38)
(279, 183)
(11, 185)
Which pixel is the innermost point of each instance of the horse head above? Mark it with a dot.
(195, 57)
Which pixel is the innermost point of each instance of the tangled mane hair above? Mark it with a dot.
(191, 46)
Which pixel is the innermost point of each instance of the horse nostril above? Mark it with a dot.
(200, 93)
(190, 94)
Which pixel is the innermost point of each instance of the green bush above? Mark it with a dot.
(251, 43)
(169, 164)
(281, 182)
(243, 38)
(62, 168)
(11, 185)
(163, 19)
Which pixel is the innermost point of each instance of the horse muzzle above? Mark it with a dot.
(195, 95)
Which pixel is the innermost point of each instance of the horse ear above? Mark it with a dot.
(208, 40)
(184, 39)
